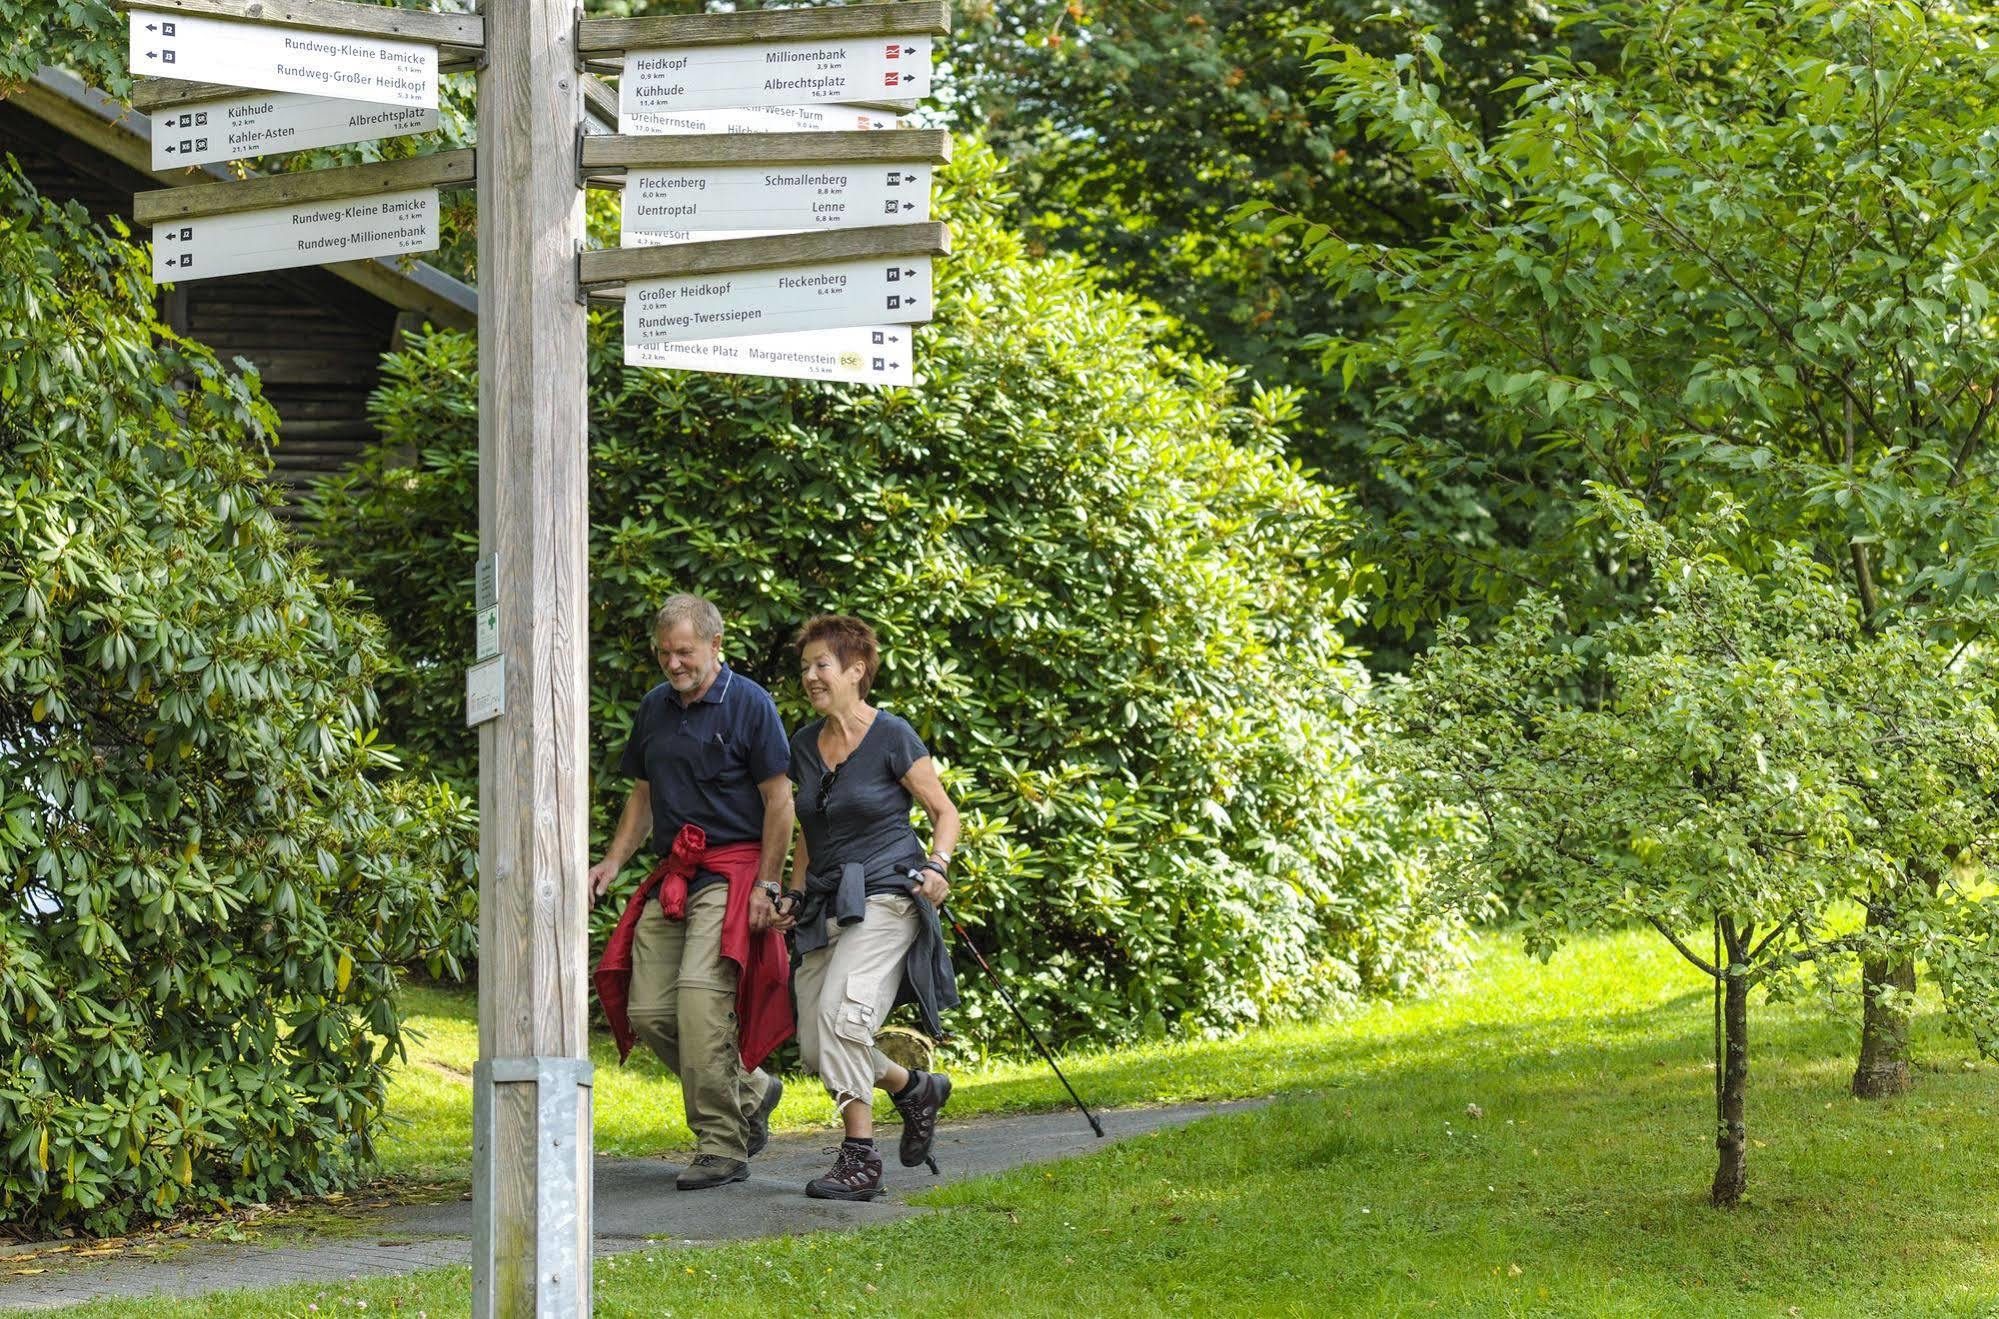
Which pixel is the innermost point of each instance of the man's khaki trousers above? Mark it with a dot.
(683, 1005)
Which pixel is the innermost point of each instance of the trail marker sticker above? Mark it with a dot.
(772, 73)
(264, 123)
(380, 224)
(383, 70)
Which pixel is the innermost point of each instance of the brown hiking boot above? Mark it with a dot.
(856, 1175)
(711, 1170)
(759, 1133)
(928, 1093)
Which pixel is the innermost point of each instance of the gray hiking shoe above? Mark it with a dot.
(928, 1095)
(711, 1170)
(856, 1175)
(760, 1120)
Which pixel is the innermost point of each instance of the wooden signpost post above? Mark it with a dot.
(777, 223)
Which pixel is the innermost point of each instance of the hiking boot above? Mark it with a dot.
(927, 1093)
(711, 1170)
(856, 1175)
(760, 1120)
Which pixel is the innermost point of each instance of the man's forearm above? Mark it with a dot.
(778, 819)
(633, 825)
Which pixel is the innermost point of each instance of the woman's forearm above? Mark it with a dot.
(801, 863)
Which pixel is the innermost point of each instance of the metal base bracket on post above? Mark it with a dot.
(562, 1245)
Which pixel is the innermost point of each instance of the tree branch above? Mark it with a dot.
(1684, 951)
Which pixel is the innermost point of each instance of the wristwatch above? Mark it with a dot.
(771, 891)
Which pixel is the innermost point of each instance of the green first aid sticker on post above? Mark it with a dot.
(486, 632)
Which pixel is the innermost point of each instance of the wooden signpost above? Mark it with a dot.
(782, 124)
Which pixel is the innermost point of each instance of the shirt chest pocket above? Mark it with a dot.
(705, 759)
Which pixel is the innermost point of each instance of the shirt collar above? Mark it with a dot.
(720, 687)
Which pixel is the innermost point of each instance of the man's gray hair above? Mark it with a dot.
(678, 609)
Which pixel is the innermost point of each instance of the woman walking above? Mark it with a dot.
(864, 896)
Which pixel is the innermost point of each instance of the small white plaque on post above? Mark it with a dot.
(774, 73)
(262, 123)
(283, 59)
(485, 691)
(837, 295)
(347, 229)
(486, 632)
(486, 582)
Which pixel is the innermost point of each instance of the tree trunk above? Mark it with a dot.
(1884, 1027)
(1731, 1173)
(1883, 1069)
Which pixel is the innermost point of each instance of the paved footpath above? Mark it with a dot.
(636, 1207)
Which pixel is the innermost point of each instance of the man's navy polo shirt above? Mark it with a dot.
(703, 761)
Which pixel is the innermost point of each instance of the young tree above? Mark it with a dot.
(1762, 764)
(1753, 259)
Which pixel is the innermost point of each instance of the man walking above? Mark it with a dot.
(695, 968)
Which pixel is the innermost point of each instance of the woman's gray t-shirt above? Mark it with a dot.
(863, 812)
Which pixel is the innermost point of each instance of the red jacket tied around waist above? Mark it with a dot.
(763, 968)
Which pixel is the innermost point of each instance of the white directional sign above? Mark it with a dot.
(835, 295)
(767, 119)
(774, 73)
(263, 123)
(675, 205)
(867, 355)
(383, 70)
(385, 224)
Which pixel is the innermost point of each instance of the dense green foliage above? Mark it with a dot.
(1135, 128)
(1754, 258)
(1107, 605)
(203, 892)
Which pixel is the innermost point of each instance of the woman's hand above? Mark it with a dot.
(934, 888)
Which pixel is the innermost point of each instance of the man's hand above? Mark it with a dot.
(762, 914)
(787, 919)
(602, 876)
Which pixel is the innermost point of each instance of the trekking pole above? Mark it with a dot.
(993, 975)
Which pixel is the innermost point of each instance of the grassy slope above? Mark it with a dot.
(1580, 1191)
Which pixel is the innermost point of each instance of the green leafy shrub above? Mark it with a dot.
(203, 895)
(1105, 602)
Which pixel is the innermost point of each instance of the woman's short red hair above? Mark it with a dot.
(847, 637)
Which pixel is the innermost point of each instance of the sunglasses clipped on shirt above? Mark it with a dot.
(826, 782)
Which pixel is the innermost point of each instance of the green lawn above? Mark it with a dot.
(1370, 1190)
